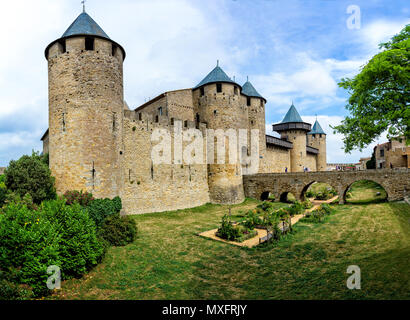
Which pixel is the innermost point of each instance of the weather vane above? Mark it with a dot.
(83, 2)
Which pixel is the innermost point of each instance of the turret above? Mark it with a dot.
(294, 130)
(85, 74)
(255, 104)
(317, 139)
(218, 102)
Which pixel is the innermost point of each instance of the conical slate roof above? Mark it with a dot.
(292, 115)
(317, 129)
(85, 25)
(216, 75)
(249, 90)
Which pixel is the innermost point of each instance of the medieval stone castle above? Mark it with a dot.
(97, 144)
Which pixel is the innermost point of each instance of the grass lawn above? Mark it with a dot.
(365, 191)
(169, 261)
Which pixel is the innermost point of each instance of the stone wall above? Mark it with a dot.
(154, 188)
(311, 161)
(275, 160)
(396, 182)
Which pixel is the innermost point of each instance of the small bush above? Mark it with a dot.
(79, 248)
(84, 199)
(296, 208)
(100, 209)
(3, 190)
(30, 174)
(231, 232)
(310, 194)
(54, 234)
(307, 204)
(266, 206)
(29, 243)
(118, 231)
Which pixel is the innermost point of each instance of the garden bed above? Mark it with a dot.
(251, 242)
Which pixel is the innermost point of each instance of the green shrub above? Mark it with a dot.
(3, 190)
(239, 232)
(327, 209)
(79, 248)
(252, 219)
(310, 194)
(266, 206)
(118, 231)
(30, 174)
(54, 234)
(307, 204)
(83, 199)
(99, 209)
(29, 243)
(295, 209)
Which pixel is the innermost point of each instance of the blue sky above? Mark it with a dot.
(291, 49)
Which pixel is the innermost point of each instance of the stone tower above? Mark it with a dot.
(85, 74)
(256, 114)
(293, 129)
(317, 139)
(218, 102)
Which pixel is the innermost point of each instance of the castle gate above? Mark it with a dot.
(396, 182)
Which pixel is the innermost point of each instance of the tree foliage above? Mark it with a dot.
(380, 93)
(30, 174)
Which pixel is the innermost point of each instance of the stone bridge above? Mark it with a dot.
(396, 182)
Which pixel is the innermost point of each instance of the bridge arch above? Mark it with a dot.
(308, 185)
(370, 179)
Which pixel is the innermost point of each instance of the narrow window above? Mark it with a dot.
(219, 87)
(160, 111)
(152, 172)
(139, 116)
(235, 90)
(93, 175)
(214, 112)
(202, 91)
(63, 121)
(89, 43)
(261, 103)
(248, 101)
(381, 152)
(156, 118)
(113, 49)
(113, 122)
(172, 121)
(186, 123)
(197, 120)
(62, 43)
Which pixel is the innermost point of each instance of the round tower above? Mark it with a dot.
(218, 103)
(255, 104)
(85, 75)
(294, 130)
(317, 139)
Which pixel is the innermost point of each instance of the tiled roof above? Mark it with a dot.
(292, 115)
(216, 75)
(85, 25)
(317, 129)
(249, 90)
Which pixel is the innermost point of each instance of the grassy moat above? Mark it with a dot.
(170, 261)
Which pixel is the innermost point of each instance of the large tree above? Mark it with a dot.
(379, 96)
